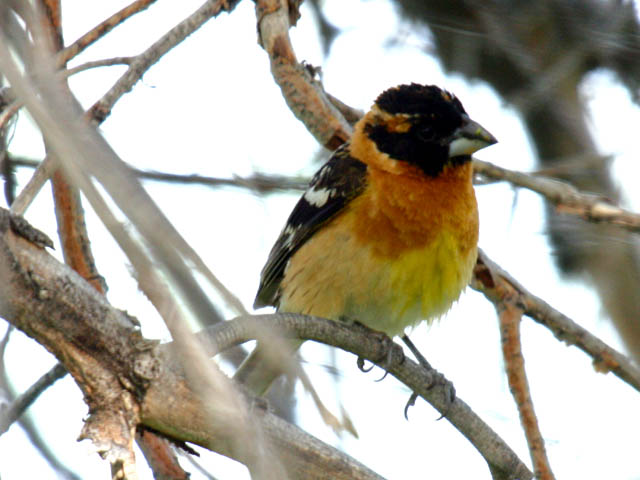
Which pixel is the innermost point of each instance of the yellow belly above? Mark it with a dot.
(351, 283)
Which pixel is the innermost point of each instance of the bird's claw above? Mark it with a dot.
(449, 389)
(410, 403)
(361, 366)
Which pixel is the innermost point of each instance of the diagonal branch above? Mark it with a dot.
(498, 286)
(142, 62)
(303, 95)
(102, 29)
(118, 177)
(82, 43)
(20, 404)
(565, 197)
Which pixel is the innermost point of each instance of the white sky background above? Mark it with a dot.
(211, 107)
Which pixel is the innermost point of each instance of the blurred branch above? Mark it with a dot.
(160, 456)
(82, 43)
(510, 316)
(137, 68)
(260, 183)
(7, 169)
(565, 197)
(20, 404)
(25, 422)
(117, 176)
(43, 172)
(127, 379)
(429, 384)
(499, 287)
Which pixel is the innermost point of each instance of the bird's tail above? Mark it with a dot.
(266, 363)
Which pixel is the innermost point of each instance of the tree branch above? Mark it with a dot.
(115, 177)
(303, 95)
(106, 62)
(565, 197)
(142, 62)
(501, 460)
(126, 379)
(510, 316)
(498, 286)
(260, 183)
(20, 404)
(101, 30)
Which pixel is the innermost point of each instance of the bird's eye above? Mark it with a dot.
(426, 133)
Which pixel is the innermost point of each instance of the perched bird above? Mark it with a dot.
(387, 232)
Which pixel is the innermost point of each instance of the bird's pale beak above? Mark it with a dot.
(469, 138)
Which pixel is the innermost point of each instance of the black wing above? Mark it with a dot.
(340, 180)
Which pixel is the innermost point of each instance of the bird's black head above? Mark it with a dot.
(424, 126)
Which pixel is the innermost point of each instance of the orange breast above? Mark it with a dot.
(405, 212)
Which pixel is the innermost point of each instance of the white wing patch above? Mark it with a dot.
(288, 234)
(318, 197)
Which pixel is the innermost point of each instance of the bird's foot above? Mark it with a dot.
(388, 351)
(438, 380)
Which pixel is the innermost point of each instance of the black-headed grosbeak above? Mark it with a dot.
(387, 232)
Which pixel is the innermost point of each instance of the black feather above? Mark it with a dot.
(433, 115)
(345, 177)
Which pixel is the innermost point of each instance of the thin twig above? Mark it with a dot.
(497, 285)
(26, 423)
(25, 162)
(142, 62)
(107, 62)
(101, 30)
(8, 112)
(338, 425)
(80, 44)
(566, 197)
(258, 182)
(20, 404)
(510, 316)
(33, 186)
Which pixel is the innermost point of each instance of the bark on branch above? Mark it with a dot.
(128, 381)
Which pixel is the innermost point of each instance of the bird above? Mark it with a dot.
(386, 233)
